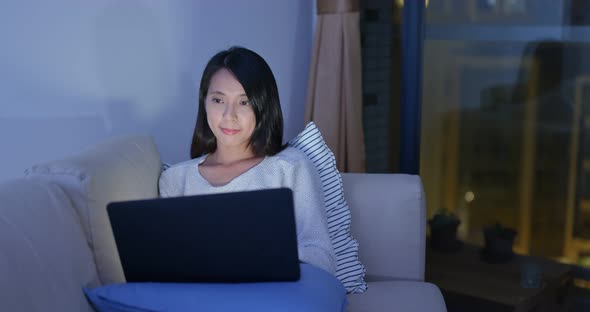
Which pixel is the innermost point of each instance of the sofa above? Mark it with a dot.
(55, 237)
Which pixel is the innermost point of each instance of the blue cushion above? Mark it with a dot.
(317, 290)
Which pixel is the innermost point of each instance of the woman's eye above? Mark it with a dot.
(216, 100)
(245, 103)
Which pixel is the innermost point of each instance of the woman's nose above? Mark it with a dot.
(230, 111)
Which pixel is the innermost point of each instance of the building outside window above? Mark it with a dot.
(505, 127)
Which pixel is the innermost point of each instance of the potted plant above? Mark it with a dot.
(443, 232)
(498, 243)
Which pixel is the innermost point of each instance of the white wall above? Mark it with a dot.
(75, 72)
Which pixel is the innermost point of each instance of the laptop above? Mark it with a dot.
(230, 237)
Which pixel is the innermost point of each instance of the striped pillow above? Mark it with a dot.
(349, 270)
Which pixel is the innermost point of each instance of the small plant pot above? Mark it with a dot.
(498, 244)
(443, 237)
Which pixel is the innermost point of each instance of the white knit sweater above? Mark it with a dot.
(289, 168)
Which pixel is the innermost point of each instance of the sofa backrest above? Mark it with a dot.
(389, 222)
(122, 168)
(44, 257)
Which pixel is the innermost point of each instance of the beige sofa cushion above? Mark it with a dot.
(407, 296)
(44, 259)
(122, 168)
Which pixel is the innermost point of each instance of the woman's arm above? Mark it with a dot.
(315, 246)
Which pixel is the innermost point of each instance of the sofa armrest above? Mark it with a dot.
(389, 221)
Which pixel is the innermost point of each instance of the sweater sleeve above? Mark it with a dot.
(169, 184)
(315, 246)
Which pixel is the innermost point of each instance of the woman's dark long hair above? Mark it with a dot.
(257, 79)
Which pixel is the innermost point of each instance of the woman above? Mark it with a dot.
(237, 146)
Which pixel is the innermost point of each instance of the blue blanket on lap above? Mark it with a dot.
(317, 290)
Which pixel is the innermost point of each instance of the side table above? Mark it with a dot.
(470, 284)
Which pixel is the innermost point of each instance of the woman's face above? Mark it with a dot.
(229, 112)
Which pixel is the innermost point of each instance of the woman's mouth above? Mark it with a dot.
(229, 131)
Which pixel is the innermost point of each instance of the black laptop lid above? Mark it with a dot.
(229, 237)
